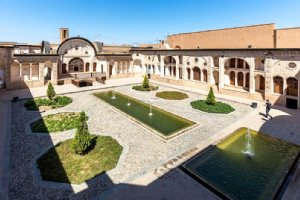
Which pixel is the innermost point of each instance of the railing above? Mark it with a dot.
(82, 75)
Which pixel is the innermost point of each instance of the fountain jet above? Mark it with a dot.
(248, 152)
(150, 113)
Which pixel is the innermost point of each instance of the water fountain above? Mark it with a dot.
(113, 95)
(248, 151)
(261, 157)
(150, 113)
(128, 103)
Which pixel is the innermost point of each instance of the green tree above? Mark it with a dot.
(50, 91)
(145, 82)
(211, 99)
(83, 140)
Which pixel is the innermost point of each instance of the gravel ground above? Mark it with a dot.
(143, 150)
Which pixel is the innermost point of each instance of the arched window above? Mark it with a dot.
(76, 65)
(174, 71)
(188, 70)
(216, 77)
(216, 61)
(240, 77)
(278, 85)
(87, 67)
(262, 83)
(64, 68)
(246, 65)
(240, 63)
(247, 80)
(196, 73)
(292, 87)
(205, 75)
(232, 78)
(169, 60)
(94, 66)
(232, 63)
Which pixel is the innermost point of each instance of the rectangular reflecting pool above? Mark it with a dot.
(165, 123)
(246, 165)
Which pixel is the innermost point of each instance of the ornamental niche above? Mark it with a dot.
(76, 47)
(292, 65)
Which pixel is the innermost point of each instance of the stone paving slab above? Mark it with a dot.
(5, 122)
(146, 152)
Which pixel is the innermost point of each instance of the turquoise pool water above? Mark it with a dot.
(164, 122)
(240, 175)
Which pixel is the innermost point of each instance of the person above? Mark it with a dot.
(268, 108)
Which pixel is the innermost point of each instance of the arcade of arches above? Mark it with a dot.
(244, 71)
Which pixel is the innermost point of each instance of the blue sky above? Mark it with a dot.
(136, 21)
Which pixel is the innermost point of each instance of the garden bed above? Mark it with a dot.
(61, 164)
(46, 103)
(219, 107)
(56, 122)
(171, 95)
(141, 88)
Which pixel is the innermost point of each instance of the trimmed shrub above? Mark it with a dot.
(34, 104)
(83, 117)
(50, 91)
(56, 102)
(83, 140)
(145, 82)
(145, 85)
(219, 107)
(211, 99)
(141, 88)
(171, 95)
(60, 101)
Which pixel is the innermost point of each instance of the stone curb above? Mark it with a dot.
(37, 178)
(145, 127)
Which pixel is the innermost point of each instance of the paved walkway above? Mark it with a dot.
(164, 183)
(161, 180)
(145, 152)
(5, 118)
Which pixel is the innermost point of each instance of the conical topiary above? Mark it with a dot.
(211, 99)
(83, 140)
(50, 91)
(145, 82)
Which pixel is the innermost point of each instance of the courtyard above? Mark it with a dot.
(148, 163)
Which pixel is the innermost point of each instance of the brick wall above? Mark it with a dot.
(258, 36)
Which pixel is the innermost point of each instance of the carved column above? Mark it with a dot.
(251, 62)
(183, 72)
(54, 73)
(115, 66)
(192, 73)
(41, 71)
(210, 71)
(268, 76)
(30, 71)
(177, 72)
(21, 67)
(221, 72)
(162, 66)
